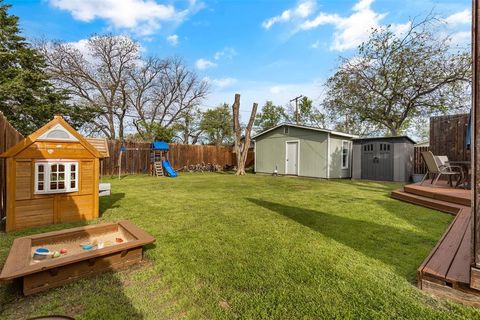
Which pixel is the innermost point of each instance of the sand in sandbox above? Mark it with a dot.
(73, 245)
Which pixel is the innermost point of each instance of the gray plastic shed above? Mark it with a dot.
(383, 159)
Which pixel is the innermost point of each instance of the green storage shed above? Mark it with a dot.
(291, 149)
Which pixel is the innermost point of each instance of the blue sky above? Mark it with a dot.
(265, 50)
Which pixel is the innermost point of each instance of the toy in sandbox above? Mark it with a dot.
(159, 164)
(51, 259)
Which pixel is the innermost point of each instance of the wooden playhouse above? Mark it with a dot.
(52, 177)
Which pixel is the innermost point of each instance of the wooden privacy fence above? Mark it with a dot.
(8, 138)
(418, 163)
(448, 135)
(181, 155)
(136, 158)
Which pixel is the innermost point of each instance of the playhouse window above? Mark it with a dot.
(56, 177)
(345, 154)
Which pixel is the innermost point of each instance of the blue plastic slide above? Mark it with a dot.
(168, 168)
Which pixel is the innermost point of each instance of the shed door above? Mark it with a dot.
(384, 169)
(377, 161)
(292, 158)
(368, 160)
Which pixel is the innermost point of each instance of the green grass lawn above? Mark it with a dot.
(255, 247)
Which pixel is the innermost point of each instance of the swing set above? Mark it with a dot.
(159, 164)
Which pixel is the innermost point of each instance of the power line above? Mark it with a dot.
(297, 118)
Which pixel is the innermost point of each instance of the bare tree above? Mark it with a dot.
(98, 77)
(109, 76)
(165, 93)
(145, 80)
(241, 149)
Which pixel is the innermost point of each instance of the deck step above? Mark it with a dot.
(431, 203)
(449, 195)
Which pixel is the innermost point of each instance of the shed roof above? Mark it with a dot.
(159, 145)
(101, 144)
(57, 120)
(307, 128)
(386, 138)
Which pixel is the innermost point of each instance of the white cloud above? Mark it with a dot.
(461, 38)
(221, 82)
(462, 17)
(81, 45)
(315, 45)
(349, 30)
(401, 28)
(173, 39)
(321, 19)
(227, 53)
(202, 64)
(352, 30)
(362, 5)
(302, 10)
(458, 28)
(144, 17)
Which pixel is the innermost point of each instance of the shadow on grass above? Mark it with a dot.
(96, 297)
(407, 212)
(109, 202)
(369, 185)
(149, 246)
(401, 249)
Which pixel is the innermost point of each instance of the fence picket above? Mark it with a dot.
(8, 138)
(136, 158)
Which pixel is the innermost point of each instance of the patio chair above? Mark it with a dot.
(439, 166)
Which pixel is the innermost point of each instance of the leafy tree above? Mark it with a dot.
(309, 115)
(217, 124)
(153, 132)
(189, 126)
(162, 133)
(270, 116)
(27, 98)
(395, 80)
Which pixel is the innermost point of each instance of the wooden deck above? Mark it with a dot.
(446, 271)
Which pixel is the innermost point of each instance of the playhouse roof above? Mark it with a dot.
(43, 134)
(159, 145)
(101, 144)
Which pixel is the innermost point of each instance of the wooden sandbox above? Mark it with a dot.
(40, 275)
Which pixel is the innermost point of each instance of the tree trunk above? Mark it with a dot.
(241, 150)
(393, 132)
(121, 129)
(186, 131)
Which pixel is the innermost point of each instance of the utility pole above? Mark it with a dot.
(297, 118)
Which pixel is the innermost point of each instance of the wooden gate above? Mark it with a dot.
(8, 138)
